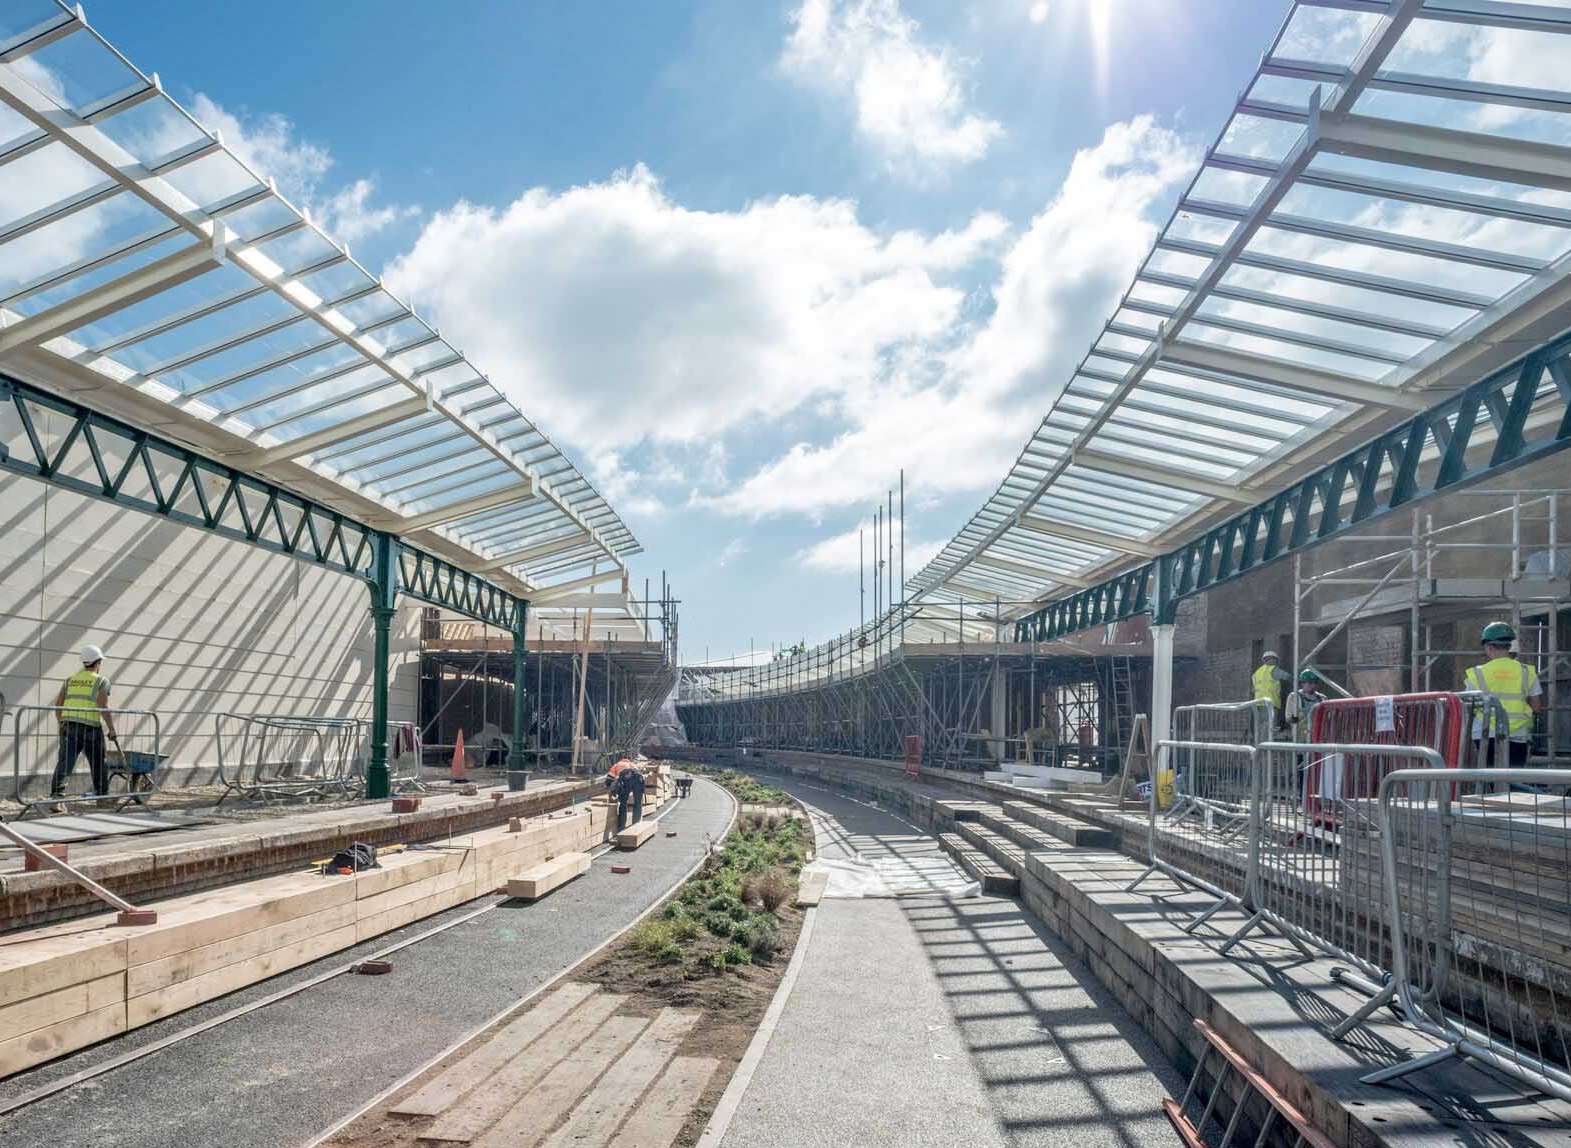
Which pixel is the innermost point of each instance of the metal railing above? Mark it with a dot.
(1314, 865)
(1200, 826)
(1476, 866)
(1232, 723)
(37, 742)
(284, 755)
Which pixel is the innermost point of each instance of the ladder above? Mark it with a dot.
(1122, 674)
(1298, 1133)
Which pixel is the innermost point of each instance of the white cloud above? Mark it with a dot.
(955, 420)
(910, 98)
(846, 553)
(617, 316)
(269, 145)
(732, 550)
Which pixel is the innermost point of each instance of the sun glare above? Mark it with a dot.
(1100, 14)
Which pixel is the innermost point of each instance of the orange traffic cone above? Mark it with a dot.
(458, 758)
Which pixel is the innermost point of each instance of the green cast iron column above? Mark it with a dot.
(515, 752)
(384, 598)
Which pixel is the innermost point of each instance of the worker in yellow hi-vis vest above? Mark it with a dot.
(1512, 683)
(1267, 684)
(82, 705)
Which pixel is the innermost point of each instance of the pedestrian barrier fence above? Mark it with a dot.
(283, 755)
(1308, 878)
(38, 743)
(1199, 833)
(1232, 723)
(1476, 865)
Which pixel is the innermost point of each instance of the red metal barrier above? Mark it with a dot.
(1434, 721)
(913, 754)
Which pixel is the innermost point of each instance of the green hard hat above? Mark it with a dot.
(1308, 675)
(1499, 632)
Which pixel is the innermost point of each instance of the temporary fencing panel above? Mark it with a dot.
(267, 755)
(1314, 868)
(1202, 838)
(1477, 871)
(36, 742)
(1231, 723)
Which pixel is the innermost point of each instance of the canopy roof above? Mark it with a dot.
(1384, 218)
(142, 260)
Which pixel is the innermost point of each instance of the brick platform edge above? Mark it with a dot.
(1165, 978)
(150, 871)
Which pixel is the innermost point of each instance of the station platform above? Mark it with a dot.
(1269, 1002)
(925, 1012)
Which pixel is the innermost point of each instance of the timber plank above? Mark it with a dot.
(595, 1119)
(635, 835)
(62, 1037)
(536, 882)
(26, 1016)
(435, 1096)
(661, 1116)
(539, 1110)
(502, 1090)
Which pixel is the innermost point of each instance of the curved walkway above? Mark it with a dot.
(941, 1017)
(281, 1075)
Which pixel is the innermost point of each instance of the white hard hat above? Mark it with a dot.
(91, 654)
(1270, 654)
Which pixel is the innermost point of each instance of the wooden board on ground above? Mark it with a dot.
(614, 1096)
(660, 1117)
(503, 1088)
(535, 882)
(810, 891)
(635, 835)
(537, 1112)
(494, 1054)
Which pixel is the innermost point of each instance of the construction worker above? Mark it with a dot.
(635, 782)
(622, 789)
(82, 705)
(1514, 685)
(1300, 706)
(1267, 684)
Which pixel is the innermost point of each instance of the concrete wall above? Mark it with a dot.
(192, 624)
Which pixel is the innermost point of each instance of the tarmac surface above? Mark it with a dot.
(924, 1017)
(284, 1074)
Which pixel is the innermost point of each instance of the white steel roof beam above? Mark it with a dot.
(327, 436)
(531, 553)
(1102, 538)
(185, 264)
(545, 595)
(1195, 484)
(1248, 365)
(463, 508)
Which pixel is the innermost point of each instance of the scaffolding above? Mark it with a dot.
(976, 705)
(467, 684)
(1402, 611)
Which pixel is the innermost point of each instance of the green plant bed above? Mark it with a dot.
(730, 912)
(747, 790)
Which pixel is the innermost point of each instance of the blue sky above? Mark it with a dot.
(743, 260)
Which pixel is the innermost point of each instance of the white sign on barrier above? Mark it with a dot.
(1385, 715)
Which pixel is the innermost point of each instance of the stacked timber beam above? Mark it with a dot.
(65, 986)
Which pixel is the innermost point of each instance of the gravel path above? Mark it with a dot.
(924, 1019)
(283, 1074)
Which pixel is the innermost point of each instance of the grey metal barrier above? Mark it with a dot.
(1314, 866)
(40, 742)
(1200, 827)
(1232, 723)
(285, 755)
(1476, 865)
